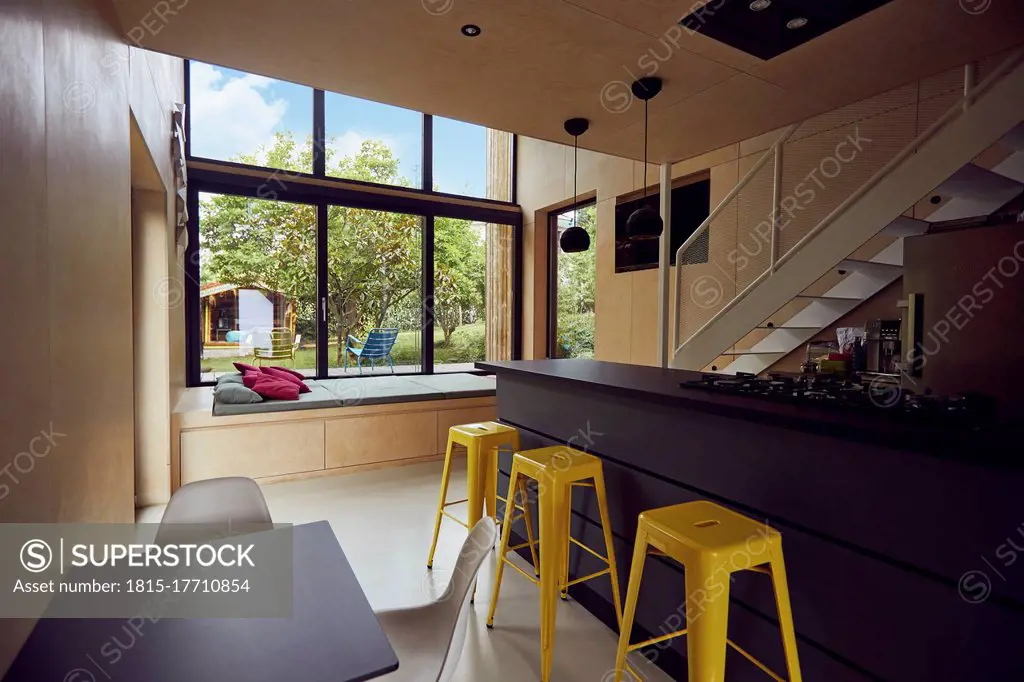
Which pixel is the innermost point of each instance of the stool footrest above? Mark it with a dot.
(582, 546)
(532, 578)
(656, 640)
(750, 657)
(454, 502)
(598, 574)
(456, 519)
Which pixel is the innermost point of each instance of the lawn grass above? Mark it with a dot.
(467, 345)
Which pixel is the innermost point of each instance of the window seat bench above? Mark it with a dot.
(343, 425)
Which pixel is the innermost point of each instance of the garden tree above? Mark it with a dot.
(373, 256)
(459, 273)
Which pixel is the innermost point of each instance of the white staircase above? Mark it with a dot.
(826, 274)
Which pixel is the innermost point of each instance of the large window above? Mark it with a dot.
(472, 293)
(374, 293)
(250, 119)
(373, 142)
(571, 287)
(257, 291)
(341, 279)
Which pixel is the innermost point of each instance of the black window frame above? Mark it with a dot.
(217, 176)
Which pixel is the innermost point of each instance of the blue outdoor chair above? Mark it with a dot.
(377, 346)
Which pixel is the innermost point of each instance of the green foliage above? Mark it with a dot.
(459, 269)
(576, 335)
(576, 271)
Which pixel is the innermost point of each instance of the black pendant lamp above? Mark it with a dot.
(575, 239)
(645, 223)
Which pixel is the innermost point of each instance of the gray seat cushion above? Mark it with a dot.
(459, 385)
(372, 390)
(318, 397)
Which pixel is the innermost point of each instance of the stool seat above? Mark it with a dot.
(705, 527)
(481, 429)
(558, 463)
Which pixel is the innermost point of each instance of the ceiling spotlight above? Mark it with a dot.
(798, 22)
(758, 5)
(470, 30)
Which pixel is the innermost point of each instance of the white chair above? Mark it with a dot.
(216, 507)
(428, 639)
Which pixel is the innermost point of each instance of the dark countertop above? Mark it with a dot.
(889, 428)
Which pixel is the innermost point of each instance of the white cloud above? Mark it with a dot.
(231, 115)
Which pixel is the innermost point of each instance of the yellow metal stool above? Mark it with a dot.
(557, 470)
(712, 543)
(482, 441)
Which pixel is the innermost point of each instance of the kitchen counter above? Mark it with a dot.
(984, 444)
(890, 549)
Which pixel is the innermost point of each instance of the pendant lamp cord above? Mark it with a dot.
(645, 149)
(575, 172)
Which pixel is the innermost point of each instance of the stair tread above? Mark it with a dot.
(764, 326)
(854, 262)
(830, 298)
(755, 352)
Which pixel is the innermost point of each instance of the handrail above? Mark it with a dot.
(705, 226)
(958, 108)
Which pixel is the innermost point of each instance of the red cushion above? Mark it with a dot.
(243, 368)
(278, 373)
(273, 388)
(298, 375)
(249, 378)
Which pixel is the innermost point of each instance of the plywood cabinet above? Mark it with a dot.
(255, 451)
(384, 438)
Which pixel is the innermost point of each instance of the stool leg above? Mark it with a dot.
(528, 520)
(445, 477)
(707, 620)
(606, 526)
(636, 574)
(563, 585)
(779, 582)
(476, 474)
(552, 501)
(506, 531)
(490, 491)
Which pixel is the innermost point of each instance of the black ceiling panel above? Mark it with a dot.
(764, 32)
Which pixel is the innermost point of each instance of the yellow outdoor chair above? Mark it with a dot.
(283, 344)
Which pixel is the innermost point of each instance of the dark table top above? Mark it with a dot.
(662, 386)
(333, 636)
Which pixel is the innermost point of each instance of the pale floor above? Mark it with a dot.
(384, 521)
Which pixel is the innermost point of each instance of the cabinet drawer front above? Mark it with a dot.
(368, 440)
(255, 451)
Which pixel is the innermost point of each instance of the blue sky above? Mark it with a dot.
(234, 112)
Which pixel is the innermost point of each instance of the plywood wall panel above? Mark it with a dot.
(24, 271)
(613, 329)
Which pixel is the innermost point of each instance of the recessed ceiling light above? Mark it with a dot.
(758, 5)
(798, 22)
(471, 30)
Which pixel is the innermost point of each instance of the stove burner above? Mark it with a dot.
(834, 392)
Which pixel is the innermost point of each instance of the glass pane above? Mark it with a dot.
(373, 142)
(257, 284)
(574, 332)
(460, 157)
(375, 301)
(237, 116)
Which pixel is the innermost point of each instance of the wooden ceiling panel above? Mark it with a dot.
(539, 62)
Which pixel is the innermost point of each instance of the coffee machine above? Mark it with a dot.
(882, 346)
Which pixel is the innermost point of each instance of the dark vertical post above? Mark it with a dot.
(552, 279)
(322, 293)
(190, 284)
(517, 289)
(427, 164)
(319, 135)
(514, 192)
(427, 287)
(188, 108)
